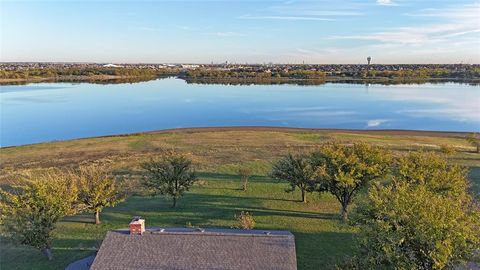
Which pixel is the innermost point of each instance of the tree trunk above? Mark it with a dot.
(97, 217)
(304, 196)
(48, 252)
(174, 202)
(344, 212)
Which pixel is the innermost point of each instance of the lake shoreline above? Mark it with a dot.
(87, 79)
(191, 130)
(233, 80)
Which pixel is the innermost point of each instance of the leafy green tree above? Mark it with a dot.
(98, 189)
(172, 176)
(474, 139)
(31, 210)
(433, 171)
(409, 226)
(424, 219)
(343, 170)
(297, 171)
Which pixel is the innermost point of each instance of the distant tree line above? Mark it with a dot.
(422, 73)
(307, 74)
(259, 74)
(86, 72)
(218, 73)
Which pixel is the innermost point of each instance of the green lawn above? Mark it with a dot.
(321, 238)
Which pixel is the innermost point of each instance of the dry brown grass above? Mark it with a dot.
(216, 147)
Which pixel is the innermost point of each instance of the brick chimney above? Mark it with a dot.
(137, 225)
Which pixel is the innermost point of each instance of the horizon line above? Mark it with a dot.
(228, 63)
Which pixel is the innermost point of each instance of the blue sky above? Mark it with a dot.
(289, 31)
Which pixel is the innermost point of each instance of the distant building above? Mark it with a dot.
(190, 248)
(112, 65)
(190, 66)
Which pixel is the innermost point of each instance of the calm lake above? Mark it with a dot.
(58, 111)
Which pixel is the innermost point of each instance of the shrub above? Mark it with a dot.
(245, 220)
(448, 149)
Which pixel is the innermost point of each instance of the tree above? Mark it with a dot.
(297, 171)
(31, 210)
(407, 225)
(172, 176)
(342, 170)
(97, 189)
(434, 172)
(474, 139)
(245, 174)
(424, 219)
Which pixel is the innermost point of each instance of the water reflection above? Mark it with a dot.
(58, 111)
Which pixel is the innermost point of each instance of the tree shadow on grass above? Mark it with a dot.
(259, 211)
(323, 250)
(279, 199)
(25, 257)
(86, 218)
(235, 177)
(203, 207)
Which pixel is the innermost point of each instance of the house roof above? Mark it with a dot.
(189, 248)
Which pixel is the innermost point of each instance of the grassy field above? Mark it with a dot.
(321, 238)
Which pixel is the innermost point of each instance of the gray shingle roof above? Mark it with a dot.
(185, 248)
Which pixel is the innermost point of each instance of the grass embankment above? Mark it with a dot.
(321, 238)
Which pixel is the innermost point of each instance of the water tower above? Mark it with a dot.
(369, 59)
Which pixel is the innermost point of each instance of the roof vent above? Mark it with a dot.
(137, 225)
(157, 231)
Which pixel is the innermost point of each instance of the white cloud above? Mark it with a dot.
(147, 28)
(289, 109)
(457, 114)
(289, 18)
(386, 3)
(459, 22)
(376, 122)
(229, 34)
(448, 103)
(465, 12)
(306, 11)
(331, 13)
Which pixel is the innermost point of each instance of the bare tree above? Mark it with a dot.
(245, 174)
